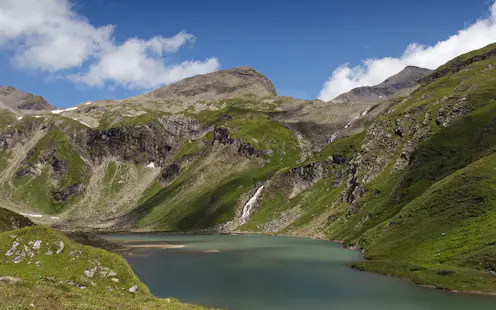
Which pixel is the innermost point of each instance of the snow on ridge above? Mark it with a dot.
(30, 215)
(64, 110)
(89, 102)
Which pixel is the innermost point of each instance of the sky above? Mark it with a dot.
(71, 51)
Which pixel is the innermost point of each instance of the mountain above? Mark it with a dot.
(21, 102)
(241, 82)
(408, 180)
(404, 80)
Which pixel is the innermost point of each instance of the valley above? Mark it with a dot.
(403, 171)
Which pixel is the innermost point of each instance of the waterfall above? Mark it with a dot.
(249, 205)
(335, 135)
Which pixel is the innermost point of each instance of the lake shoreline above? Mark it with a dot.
(341, 242)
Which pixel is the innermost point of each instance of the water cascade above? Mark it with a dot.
(249, 205)
(335, 135)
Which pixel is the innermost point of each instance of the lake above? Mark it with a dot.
(265, 272)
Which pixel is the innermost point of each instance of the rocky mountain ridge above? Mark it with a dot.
(404, 80)
(20, 102)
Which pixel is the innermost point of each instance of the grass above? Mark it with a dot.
(10, 220)
(37, 190)
(6, 118)
(55, 281)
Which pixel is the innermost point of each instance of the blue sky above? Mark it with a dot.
(297, 44)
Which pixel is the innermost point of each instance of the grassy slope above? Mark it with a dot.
(437, 217)
(314, 201)
(56, 282)
(452, 227)
(37, 191)
(187, 204)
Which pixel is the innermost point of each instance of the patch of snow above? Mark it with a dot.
(85, 124)
(37, 116)
(335, 135)
(89, 102)
(249, 205)
(54, 218)
(64, 110)
(150, 165)
(31, 215)
(128, 115)
(19, 118)
(9, 126)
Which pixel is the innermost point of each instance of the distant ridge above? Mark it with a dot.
(374, 94)
(20, 102)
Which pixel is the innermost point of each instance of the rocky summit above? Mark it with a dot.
(242, 82)
(20, 102)
(403, 81)
(403, 170)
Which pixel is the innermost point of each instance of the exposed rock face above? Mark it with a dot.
(226, 84)
(222, 136)
(374, 94)
(18, 101)
(141, 144)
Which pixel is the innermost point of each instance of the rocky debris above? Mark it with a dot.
(226, 84)
(12, 249)
(65, 194)
(452, 108)
(373, 94)
(182, 126)
(133, 289)
(10, 280)
(98, 270)
(90, 273)
(61, 247)
(282, 221)
(305, 176)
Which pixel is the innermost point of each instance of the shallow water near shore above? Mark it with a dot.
(243, 272)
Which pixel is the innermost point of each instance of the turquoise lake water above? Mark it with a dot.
(264, 272)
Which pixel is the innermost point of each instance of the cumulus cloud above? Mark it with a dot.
(49, 36)
(375, 71)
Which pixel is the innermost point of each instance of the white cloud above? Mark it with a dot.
(49, 36)
(375, 71)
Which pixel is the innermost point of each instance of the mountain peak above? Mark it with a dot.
(406, 78)
(225, 84)
(18, 101)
